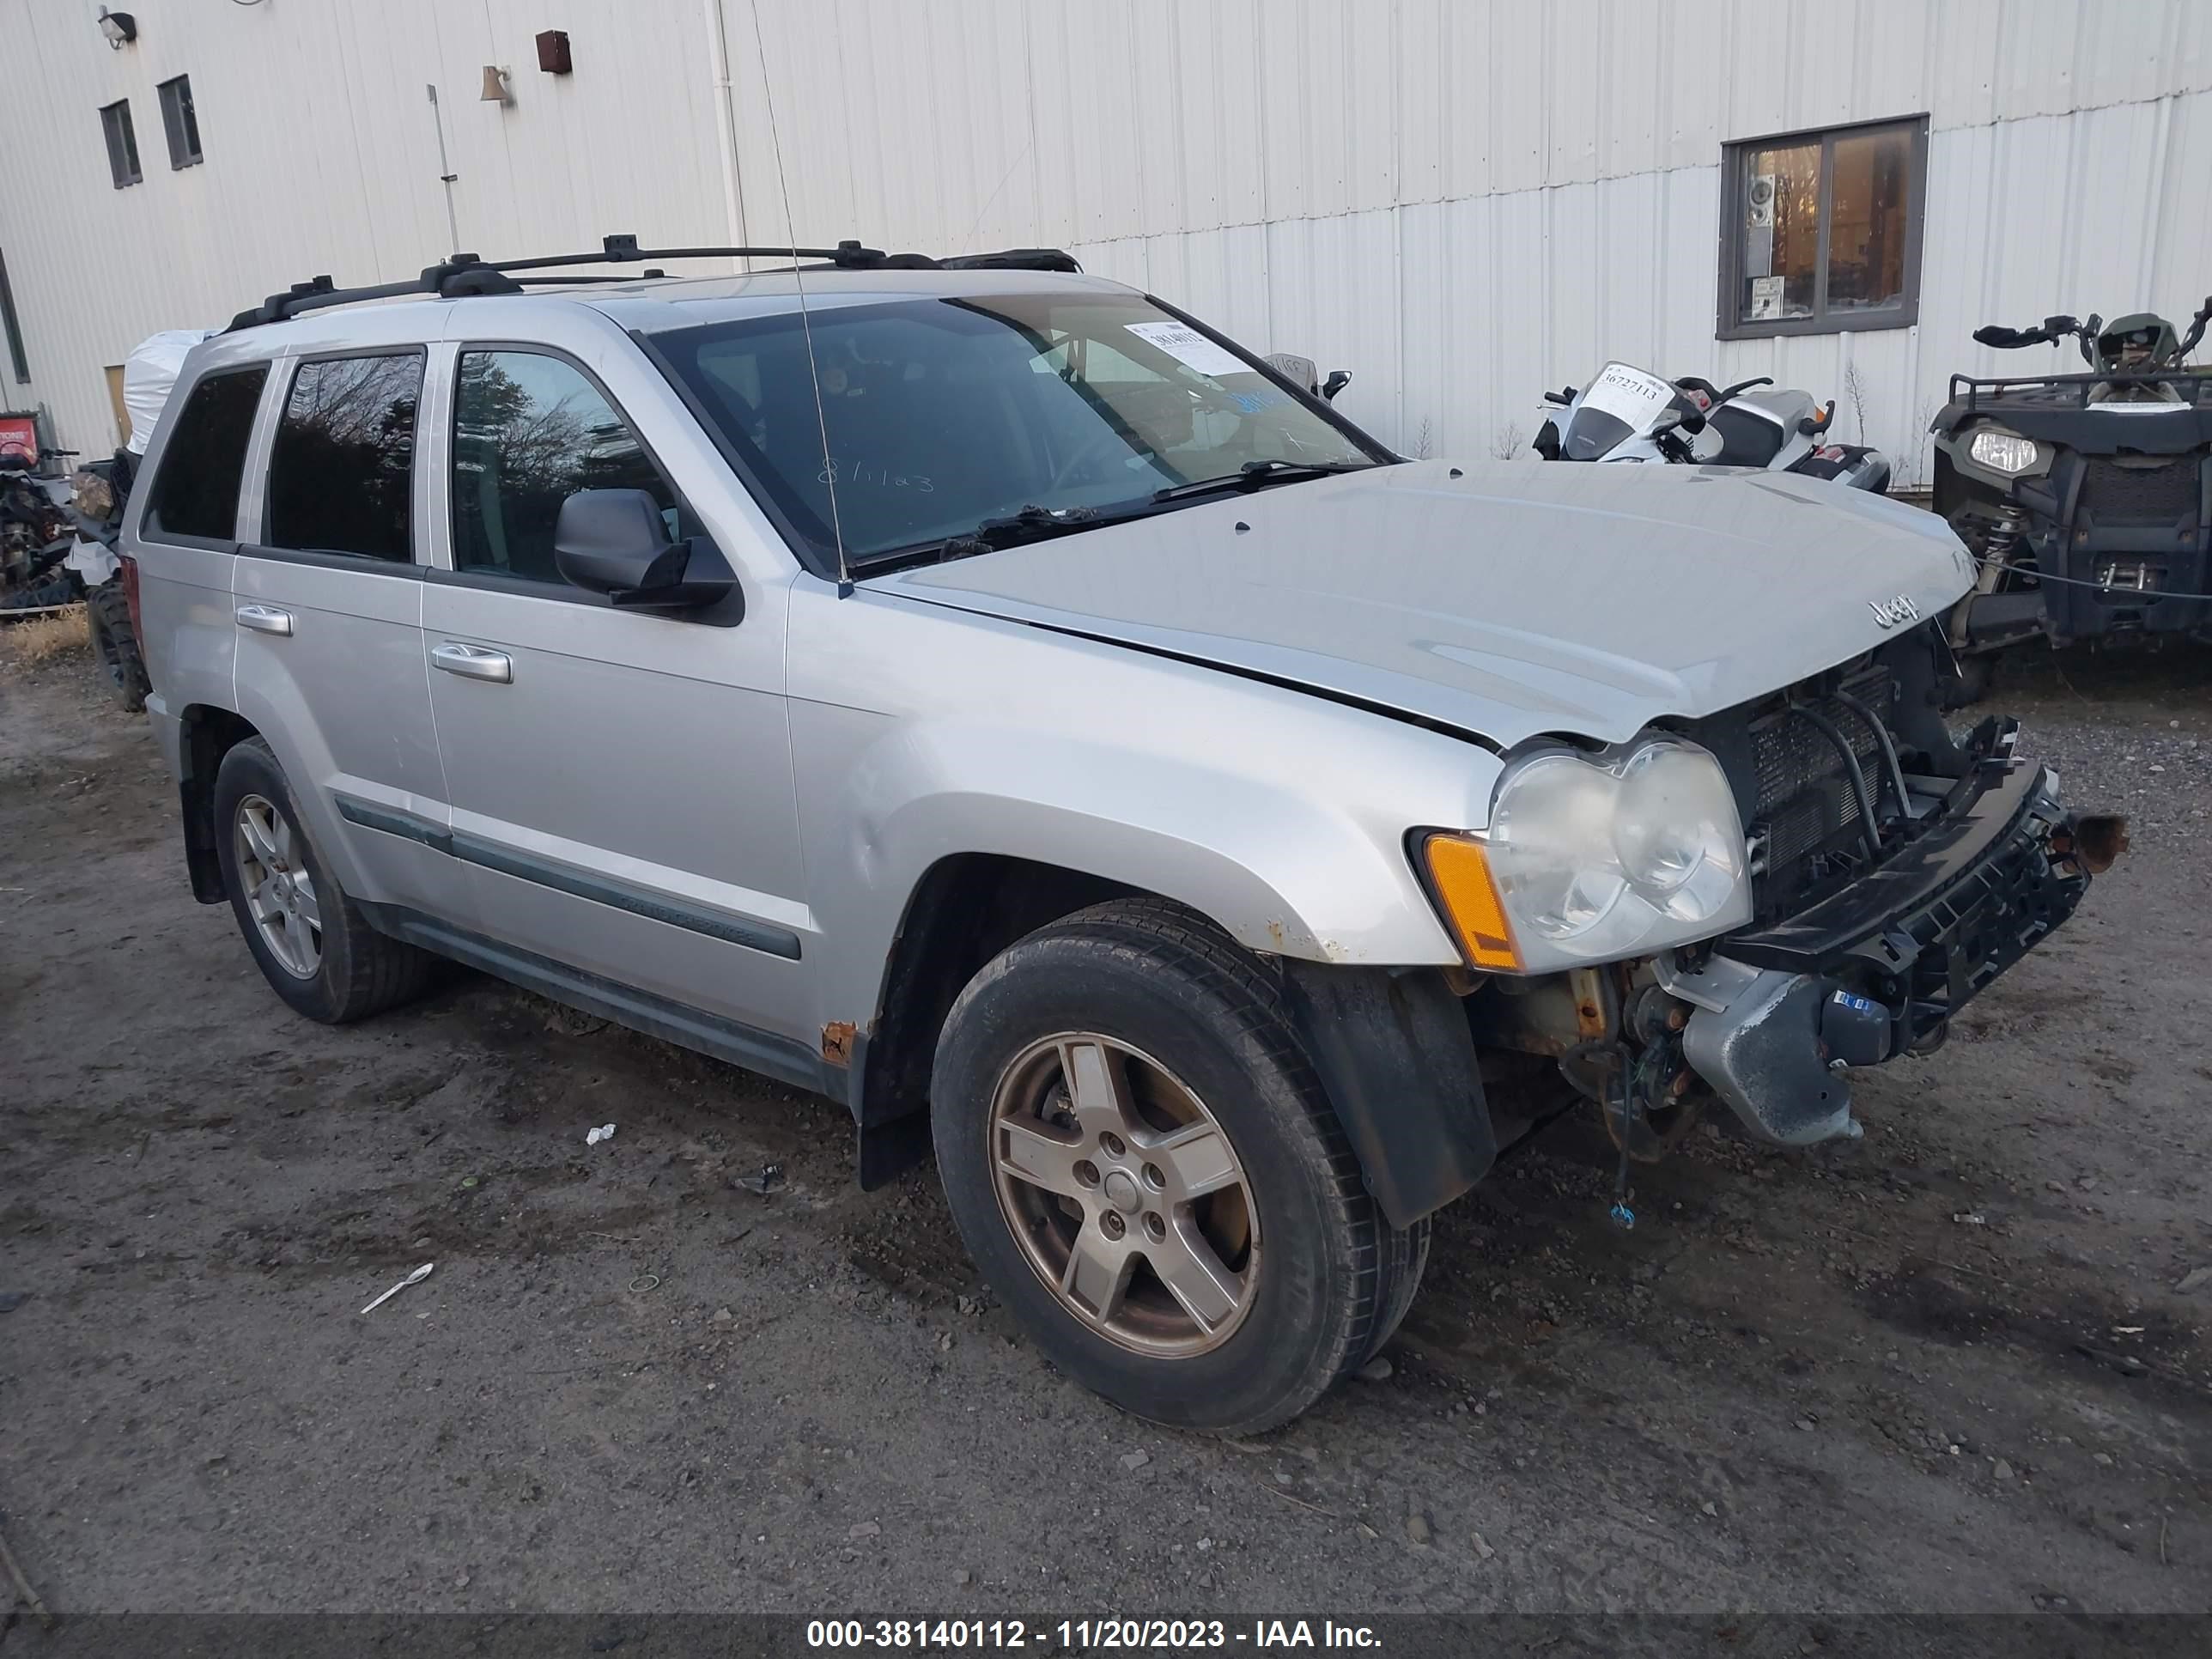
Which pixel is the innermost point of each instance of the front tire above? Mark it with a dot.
(1972, 682)
(312, 943)
(1140, 1159)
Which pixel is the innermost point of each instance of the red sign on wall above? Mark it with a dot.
(19, 441)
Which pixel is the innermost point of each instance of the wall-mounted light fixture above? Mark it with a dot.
(496, 87)
(119, 27)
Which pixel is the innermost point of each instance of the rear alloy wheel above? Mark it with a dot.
(280, 892)
(1140, 1157)
(314, 947)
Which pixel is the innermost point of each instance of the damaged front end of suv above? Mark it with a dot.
(1861, 874)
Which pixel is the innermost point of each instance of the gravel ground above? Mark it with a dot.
(1951, 1368)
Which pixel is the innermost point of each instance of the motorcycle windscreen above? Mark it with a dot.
(1619, 404)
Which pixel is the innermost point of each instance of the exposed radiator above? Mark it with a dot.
(1806, 815)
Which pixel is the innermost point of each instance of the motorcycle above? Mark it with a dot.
(1627, 414)
(2081, 497)
(1301, 372)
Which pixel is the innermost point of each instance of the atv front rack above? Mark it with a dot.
(2072, 391)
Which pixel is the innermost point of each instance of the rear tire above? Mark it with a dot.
(312, 943)
(1142, 1006)
(115, 645)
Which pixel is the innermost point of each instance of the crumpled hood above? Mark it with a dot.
(1503, 598)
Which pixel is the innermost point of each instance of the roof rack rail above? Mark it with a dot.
(466, 274)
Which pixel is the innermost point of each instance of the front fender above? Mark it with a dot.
(1277, 869)
(1279, 815)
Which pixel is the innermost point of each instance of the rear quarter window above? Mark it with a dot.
(195, 494)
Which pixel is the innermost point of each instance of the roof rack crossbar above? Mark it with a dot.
(624, 250)
(466, 274)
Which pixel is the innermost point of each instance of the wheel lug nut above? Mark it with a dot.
(1087, 1173)
(1113, 1144)
(1154, 1179)
(1155, 1228)
(1112, 1225)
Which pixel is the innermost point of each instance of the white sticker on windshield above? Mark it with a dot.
(1188, 347)
(1628, 394)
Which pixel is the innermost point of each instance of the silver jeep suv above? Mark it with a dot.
(986, 696)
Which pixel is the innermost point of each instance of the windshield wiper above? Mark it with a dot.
(1258, 475)
(1026, 524)
(1034, 523)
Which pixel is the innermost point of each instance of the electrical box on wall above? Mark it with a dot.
(553, 53)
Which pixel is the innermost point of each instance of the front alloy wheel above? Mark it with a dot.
(1140, 1157)
(1125, 1195)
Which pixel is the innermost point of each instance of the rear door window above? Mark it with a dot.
(342, 469)
(195, 496)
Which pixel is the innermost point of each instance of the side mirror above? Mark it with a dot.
(1337, 379)
(614, 541)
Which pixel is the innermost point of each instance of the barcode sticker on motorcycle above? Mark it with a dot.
(1628, 394)
(1188, 347)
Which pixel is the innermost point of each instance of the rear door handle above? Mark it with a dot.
(264, 619)
(473, 662)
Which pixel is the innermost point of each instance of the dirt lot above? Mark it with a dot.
(1947, 1369)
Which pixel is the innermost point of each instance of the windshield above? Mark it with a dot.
(945, 414)
(1623, 402)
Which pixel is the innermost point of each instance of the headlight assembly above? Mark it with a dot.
(2001, 451)
(1591, 860)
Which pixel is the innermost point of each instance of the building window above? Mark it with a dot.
(178, 120)
(121, 143)
(13, 328)
(1821, 231)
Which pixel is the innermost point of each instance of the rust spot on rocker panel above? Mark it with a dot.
(837, 1041)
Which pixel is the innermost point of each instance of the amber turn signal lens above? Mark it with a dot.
(1460, 874)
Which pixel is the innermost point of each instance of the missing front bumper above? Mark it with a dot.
(1916, 940)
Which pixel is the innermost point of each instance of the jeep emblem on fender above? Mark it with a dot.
(1889, 612)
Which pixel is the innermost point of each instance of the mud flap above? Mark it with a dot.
(1397, 1059)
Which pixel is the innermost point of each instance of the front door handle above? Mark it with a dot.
(473, 662)
(264, 619)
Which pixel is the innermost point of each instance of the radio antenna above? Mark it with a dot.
(805, 327)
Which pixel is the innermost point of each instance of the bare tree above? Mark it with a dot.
(1506, 442)
(1421, 441)
(1857, 389)
(1908, 466)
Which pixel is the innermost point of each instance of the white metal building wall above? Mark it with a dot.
(1462, 202)
(322, 156)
